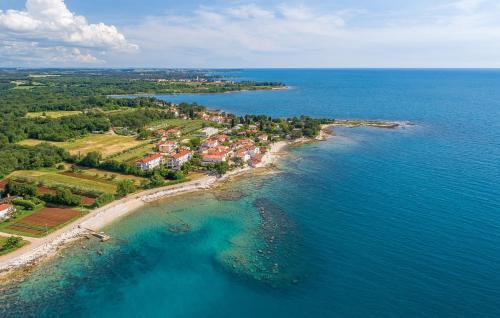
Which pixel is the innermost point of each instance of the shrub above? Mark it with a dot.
(104, 199)
(27, 204)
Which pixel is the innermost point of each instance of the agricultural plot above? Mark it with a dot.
(106, 144)
(54, 114)
(186, 127)
(134, 154)
(42, 222)
(54, 179)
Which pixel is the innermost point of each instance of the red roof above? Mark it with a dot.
(181, 154)
(5, 207)
(150, 158)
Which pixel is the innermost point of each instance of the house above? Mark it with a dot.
(177, 160)
(209, 144)
(173, 111)
(255, 160)
(243, 155)
(223, 138)
(150, 162)
(173, 133)
(6, 210)
(219, 154)
(263, 138)
(243, 143)
(166, 146)
(217, 119)
(208, 132)
(252, 129)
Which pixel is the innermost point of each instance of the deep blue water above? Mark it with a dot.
(373, 223)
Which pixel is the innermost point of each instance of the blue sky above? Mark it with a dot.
(240, 33)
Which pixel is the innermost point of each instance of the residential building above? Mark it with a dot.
(209, 144)
(217, 119)
(177, 160)
(208, 132)
(263, 138)
(150, 162)
(219, 154)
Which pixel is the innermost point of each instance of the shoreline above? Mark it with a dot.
(40, 249)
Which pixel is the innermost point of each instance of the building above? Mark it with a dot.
(243, 155)
(263, 138)
(252, 129)
(177, 160)
(219, 154)
(166, 146)
(255, 160)
(173, 133)
(223, 138)
(209, 144)
(208, 132)
(150, 162)
(5, 211)
(217, 119)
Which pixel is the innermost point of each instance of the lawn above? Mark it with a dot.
(51, 178)
(3, 239)
(54, 114)
(106, 144)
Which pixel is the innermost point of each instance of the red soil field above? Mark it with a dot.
(50, 217)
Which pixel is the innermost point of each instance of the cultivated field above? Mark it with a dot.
(186, 126)
(134, 154)
(42, 222)
(106, 144)
(53, 178)
(54, 114)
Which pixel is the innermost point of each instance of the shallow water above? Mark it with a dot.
(372, 223)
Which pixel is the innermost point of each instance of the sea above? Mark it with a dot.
(370, 223)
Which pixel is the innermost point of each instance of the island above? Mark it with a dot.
(73, 158)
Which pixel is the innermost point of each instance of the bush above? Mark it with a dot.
(125, 187)
(27, 204)
(104, 199)
(11, 242)
(62, 197)
(14, 187)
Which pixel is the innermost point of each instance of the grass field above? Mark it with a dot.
(106, 144)
(111, 176)
(54, 114)
(51, 178)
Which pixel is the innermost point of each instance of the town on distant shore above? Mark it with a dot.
(67, 146)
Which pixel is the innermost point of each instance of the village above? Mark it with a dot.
(235, 146)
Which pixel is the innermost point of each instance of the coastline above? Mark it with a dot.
(40, 249)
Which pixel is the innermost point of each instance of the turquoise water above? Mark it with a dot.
(372, 223)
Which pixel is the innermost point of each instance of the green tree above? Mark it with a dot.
(92, 159)
(125, 187)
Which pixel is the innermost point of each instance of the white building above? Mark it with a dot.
(208, 132)
(178, 159)
(150, 162)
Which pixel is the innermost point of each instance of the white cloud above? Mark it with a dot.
(462, 33)
(49, 23)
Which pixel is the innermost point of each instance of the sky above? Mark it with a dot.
(250, 34)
